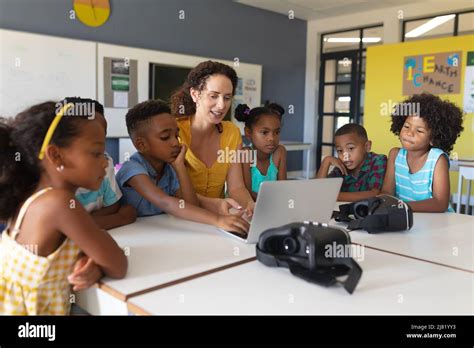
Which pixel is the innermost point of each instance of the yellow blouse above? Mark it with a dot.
(209, 182)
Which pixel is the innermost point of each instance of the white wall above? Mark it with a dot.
(391, 34)
(116, 116)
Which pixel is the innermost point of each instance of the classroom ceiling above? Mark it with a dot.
(317, 9)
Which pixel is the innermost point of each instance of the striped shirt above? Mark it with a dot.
(417, 186)
(108, 194)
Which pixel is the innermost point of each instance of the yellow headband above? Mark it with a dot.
(52, 128)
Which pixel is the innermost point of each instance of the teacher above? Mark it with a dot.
(200, 105)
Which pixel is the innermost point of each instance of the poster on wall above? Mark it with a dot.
(468, 100)
(250, 92)
(120, 82)
(246, 92)
(435, 73)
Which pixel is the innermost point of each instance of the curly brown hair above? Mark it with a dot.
(196, 79)
(442, 117)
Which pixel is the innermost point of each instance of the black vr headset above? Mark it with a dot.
(383, 213)
(310, 251)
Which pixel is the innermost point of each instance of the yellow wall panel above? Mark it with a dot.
(384, 79)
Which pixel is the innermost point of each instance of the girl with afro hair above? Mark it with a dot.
(418, 172)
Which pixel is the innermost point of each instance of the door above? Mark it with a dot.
(338, 98)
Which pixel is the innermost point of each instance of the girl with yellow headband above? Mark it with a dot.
(45, 155)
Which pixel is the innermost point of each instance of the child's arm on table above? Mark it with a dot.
(357, 196)
(77, 225)
(218, 205)
(172, 205)
(114, 215)
(373, 183)
(85, 273)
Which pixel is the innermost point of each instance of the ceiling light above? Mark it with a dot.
(344, 99)
(430, 25)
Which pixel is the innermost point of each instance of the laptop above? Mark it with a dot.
(285, 201)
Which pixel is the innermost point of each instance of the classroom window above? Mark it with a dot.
(341, 92)
(466, 23)
(341, 41)
(449, 24)
(372, 36)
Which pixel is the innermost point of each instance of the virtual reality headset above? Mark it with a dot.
(312, 252)
(383, 213)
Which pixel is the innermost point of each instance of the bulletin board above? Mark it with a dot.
(384, 87)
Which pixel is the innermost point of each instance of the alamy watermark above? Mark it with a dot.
(335, 251)
(237, 156)
(78, 109)
(391, 108)
(37, 331)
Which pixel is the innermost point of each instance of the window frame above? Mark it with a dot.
(455, 29)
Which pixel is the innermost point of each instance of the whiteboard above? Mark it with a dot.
(251, 75)
(36, 68)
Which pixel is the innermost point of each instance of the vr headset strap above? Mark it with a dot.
(368, 223)
(268, 259)
(272, 260)
(323, 278)
(327, 278)
(354, 275)
(344, 211)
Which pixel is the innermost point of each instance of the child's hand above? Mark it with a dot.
(180, 159)
(336, 162)
(233, 223)
(225, 204)
(248, 211)
(85, 274)
(127, 213)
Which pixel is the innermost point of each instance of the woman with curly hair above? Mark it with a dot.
(418, 173)
(200, 105)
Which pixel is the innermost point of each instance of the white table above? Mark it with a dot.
(390, 284)
(446, 239)
(167, 253)
(163, 250)
(298, 146)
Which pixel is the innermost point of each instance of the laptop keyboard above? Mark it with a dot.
(242, 236)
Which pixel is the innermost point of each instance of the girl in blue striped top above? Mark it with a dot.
(418, 173)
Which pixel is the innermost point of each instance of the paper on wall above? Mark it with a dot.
(120, 99)
(468, 102)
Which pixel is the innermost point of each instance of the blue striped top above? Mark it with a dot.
(417, 186)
